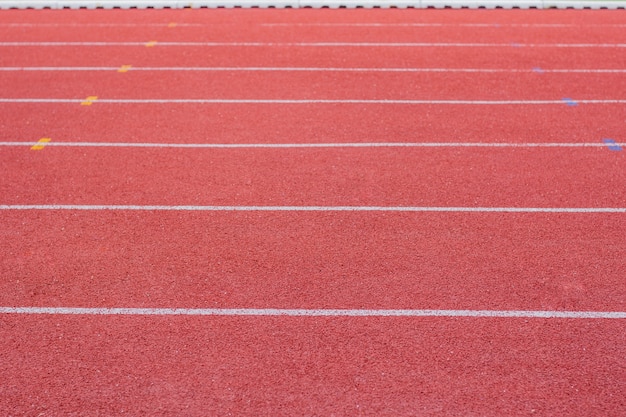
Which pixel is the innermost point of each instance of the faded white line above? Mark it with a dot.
(309, 101)
(322, 145)
(324, 69)
(434, 24)
(316, 208)
(111, 24)
(320, 24)
(556, 314)
(327, 44)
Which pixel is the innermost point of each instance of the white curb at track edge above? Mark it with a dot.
(159, 4)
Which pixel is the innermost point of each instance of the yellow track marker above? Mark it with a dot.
(172, 25)
(41, 143)
(151, 44)
(89, 100)
(124, 68)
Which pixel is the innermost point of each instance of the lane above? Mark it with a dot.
(313, 17)
(189, 56)
(312, 85)
(313, 260)
(282, 366)
(277, 123)
(230, 32)
(503, 177)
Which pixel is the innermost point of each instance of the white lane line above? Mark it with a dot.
(316, 208)
(111, 24)
(311, 101)
(321, 145)
(321, 24)
(324, 69)
(329, 44)
(433, 24)
(313, 312)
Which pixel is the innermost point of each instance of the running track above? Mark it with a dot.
(313, 212)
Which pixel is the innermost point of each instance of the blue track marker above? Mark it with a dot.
(538, 70)
(569, 101)
(612, 145)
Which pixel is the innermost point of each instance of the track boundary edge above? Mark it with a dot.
(161, 4)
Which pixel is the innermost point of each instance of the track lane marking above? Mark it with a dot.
(309, 101)
(41, 143)
(105, 207)
(371, 24)
(88, 101)
(325, 145)
(314, 312)
(612, 145)
(324, 44)
(570, 102)
(110, 24)
(326, 69)
(435, 24)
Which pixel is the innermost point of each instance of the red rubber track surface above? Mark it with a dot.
(331, 56)
(315, 366)
(316, 260)
(312, 177)
(227, 365)
(275, 123)
(307, 86)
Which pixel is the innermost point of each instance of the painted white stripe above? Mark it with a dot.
(313, 312)
(109, 24)
(312, 101)
(317, 208)
(320, 69)
(320, 24)
(442, 24)
(321, 145)
(329, 44)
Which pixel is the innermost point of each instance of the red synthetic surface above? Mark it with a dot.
(312, 366)
(187, 123)
(316, 260)
(197, 366)
(396, 57)
(311, 86)
(310, 177)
